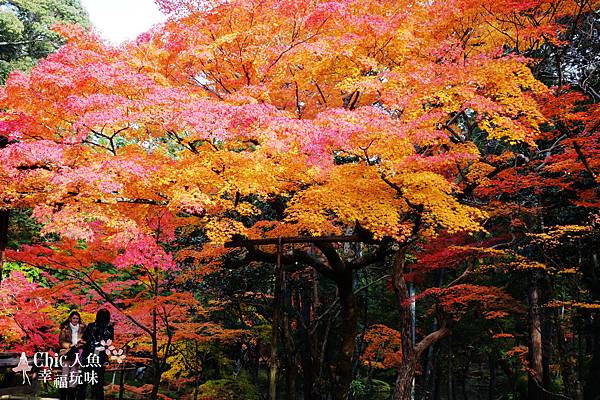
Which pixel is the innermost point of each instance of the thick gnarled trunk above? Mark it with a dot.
(406, 371)
(348, 331)
(404, 380)
(410, 354)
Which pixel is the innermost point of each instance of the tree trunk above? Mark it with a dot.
(566, 369)
(450, 382)
(322, 353)
(548, 336)
(156, 373)
(404, 380)
(288, 344)
(435, 390)
(406, 371)
(492, 368)
(535, 340)
(196, 384)
(429, 376)
(4, 219)
(592, 386)
(254, 358)
(273, 367)
(410, 355)
(348, 331)
(463, 380)
(306, 344)
(122, 382)
(275, 325)
(290, 364)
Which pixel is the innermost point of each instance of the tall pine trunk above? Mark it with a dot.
(535, 340)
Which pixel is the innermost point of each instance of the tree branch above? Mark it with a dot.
(297, 257)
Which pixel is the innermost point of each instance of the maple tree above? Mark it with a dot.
(22, 315)
(137, 282)
(420, 128)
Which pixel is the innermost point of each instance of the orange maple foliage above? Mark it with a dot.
(383, 349)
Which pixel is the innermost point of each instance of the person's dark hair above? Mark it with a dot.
(66, 322)
(102, 317)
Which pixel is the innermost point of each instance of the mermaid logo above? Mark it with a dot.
(23, 367)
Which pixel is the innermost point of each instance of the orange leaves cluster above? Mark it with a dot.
(354, 193)
(232, 100)
(383, 347)
(493, 302)
(573, 304)
(559, 234)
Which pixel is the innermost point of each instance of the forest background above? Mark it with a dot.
(304, 199)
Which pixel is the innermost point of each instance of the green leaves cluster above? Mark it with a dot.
(25, 30)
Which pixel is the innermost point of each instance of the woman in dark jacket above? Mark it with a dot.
(96, 332)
